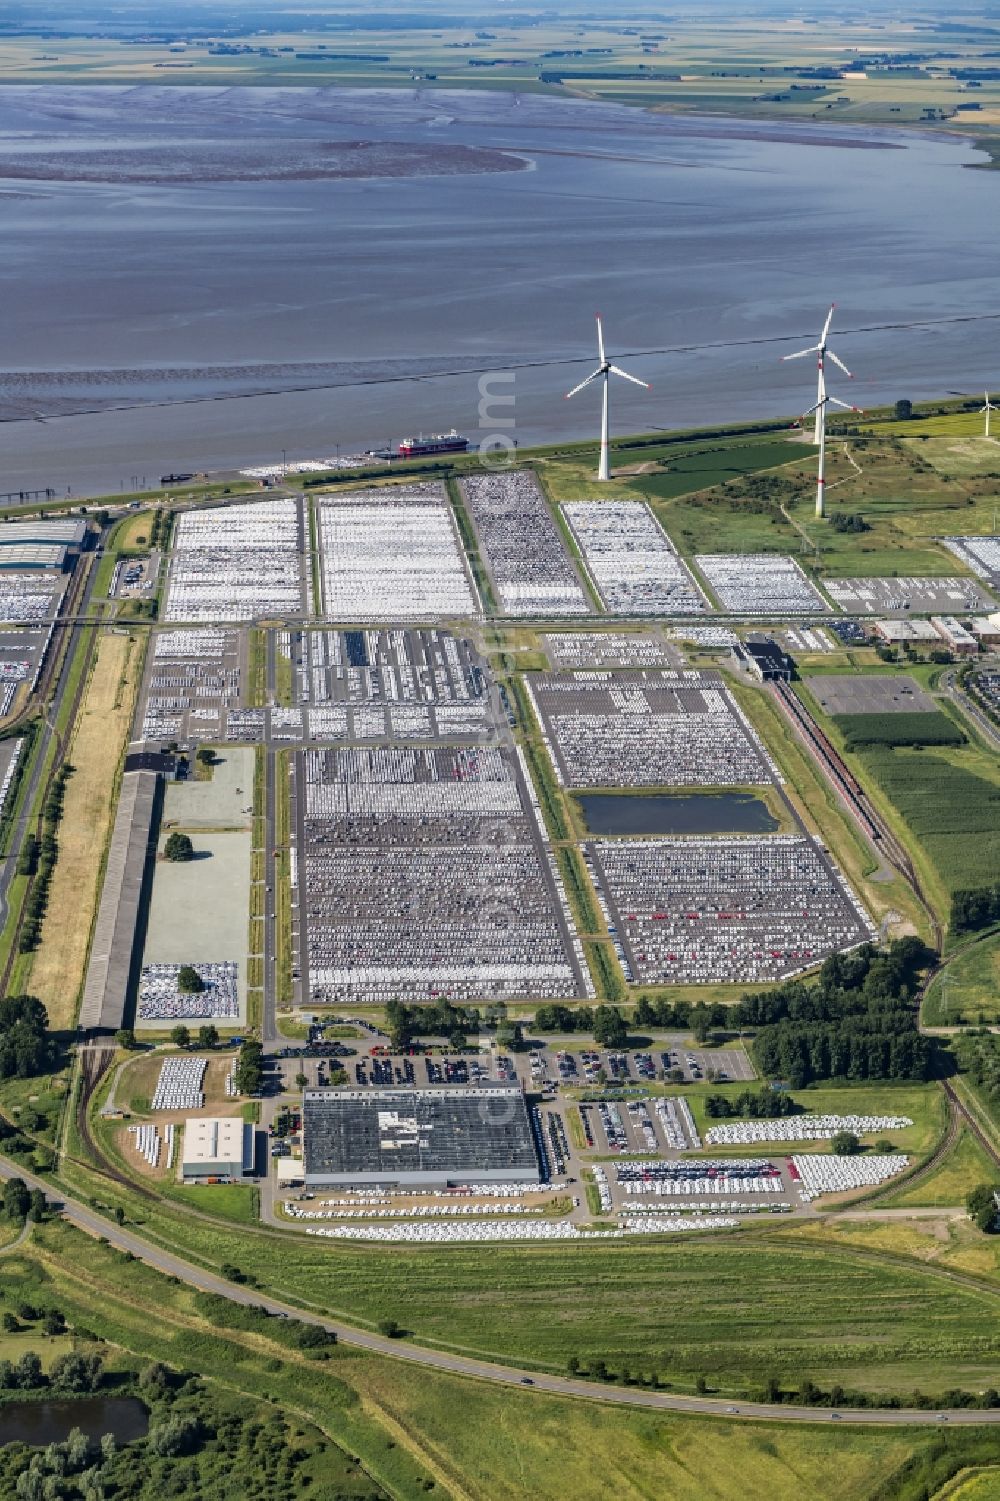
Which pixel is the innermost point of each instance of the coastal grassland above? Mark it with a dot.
(958, 1172)
(969, 986)
(102, 729)
(905, 503)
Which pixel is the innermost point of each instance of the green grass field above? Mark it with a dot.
(414, 1431)
(965, 1166)
(922, 1103)
(969, 986)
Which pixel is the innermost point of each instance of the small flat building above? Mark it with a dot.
(986, 629)
(427, 1138)
(765, 659)
(217, 1147)
(895, 632)
(955, 636)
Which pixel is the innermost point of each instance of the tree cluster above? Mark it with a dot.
(72, 1373)
(443, 1019)
(178, 848)
(972, 909)
(857, 1021)
(26, 1049)
(849, 521)
(248, 1075)
(45, 863)
(982, 1206)
(752, 1104)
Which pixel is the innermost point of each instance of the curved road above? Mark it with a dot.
(482, 1370)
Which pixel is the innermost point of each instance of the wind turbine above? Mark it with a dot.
(988, 408)
(820, 410)
(821, 351)
(605, 371)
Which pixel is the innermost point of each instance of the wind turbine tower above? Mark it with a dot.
(822, 351)
(820, 410)
(988, 408)
(605, 370)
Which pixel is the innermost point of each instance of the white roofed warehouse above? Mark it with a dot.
(217, 1147)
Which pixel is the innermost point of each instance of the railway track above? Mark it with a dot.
(973, 1125)
(851, 792)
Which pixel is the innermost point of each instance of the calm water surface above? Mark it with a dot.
(699, 813)
(213, 312)
(51, 1422)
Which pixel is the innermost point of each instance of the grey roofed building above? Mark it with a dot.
(112, 948)
(418, 1137)
(69, 531)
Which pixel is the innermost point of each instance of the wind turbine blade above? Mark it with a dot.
(838, 362)
(600, 339)
(814, 408)
(845, 404)
(593, 376)
(813, 349)
(616, 370)
(826, 325)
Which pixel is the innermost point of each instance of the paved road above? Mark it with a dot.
(482, 1370)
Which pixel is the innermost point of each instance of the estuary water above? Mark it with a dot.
(196, 278)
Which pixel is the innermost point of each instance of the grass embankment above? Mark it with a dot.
(470, 543)
(283, 684)
(256, 667)
(102, 730)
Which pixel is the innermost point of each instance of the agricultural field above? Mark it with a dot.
(950, 803)
(753, 67)
(861, 731)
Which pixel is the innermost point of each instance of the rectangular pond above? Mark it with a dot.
(610, 814)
